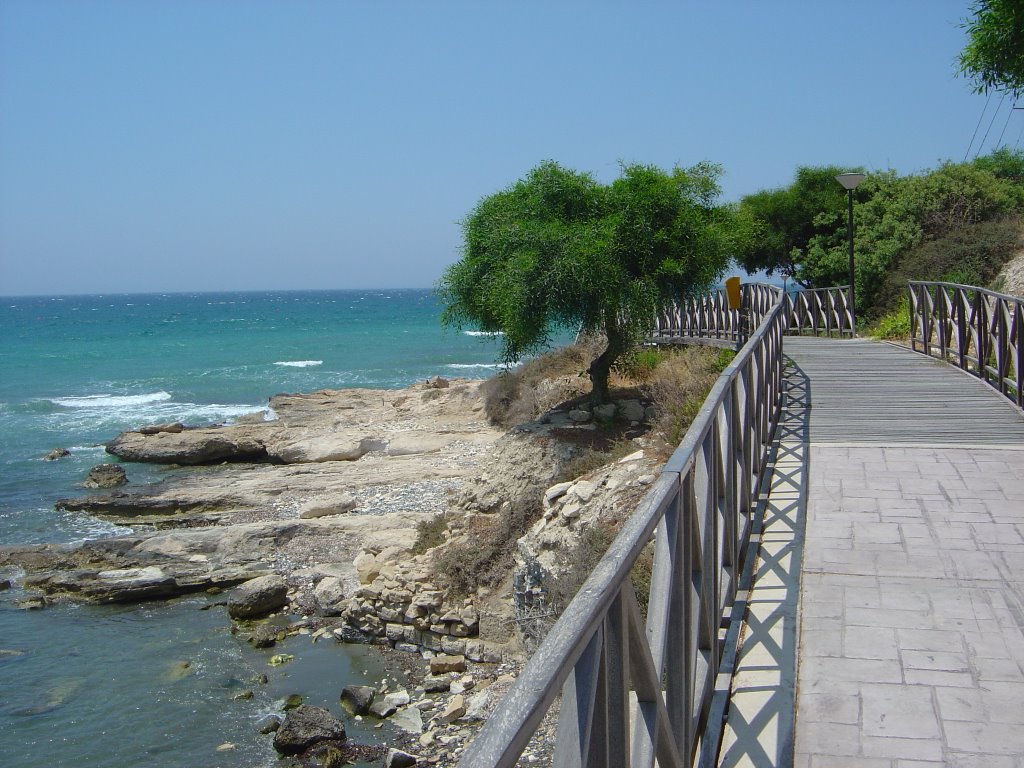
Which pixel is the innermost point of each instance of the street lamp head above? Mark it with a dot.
(851, 180)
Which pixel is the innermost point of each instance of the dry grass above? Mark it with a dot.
(679, 386)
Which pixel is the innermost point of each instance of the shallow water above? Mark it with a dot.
(101, 686)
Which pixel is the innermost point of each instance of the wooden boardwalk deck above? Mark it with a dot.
(866, 391)
(886, 623)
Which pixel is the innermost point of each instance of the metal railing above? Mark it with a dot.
(973, 328)
(633, 690)
(707, 318)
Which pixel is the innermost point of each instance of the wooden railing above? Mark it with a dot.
(708, 319)
(633, 690)
(821, 311)
(975, 329)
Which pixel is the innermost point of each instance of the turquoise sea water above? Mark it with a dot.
(98, 686)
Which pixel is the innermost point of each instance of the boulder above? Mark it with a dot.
(268, 724)
(257, 597)
(326, 448)
(456, 708)
(356, 699)
(56, 453)
(329, 595)
(409, 720)
(631, 410)
(438, 382)
(382, 708)
(437, 683)
(193, 446)
(440, 665)
(173, 428)
(396, 758)
(325, 508)
(106, 476)
(306, 726)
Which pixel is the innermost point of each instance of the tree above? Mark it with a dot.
(559, 249)
(789, 218)
(994, 55)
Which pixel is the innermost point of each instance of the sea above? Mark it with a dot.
(155, 684)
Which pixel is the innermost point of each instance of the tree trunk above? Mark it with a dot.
(602, 366)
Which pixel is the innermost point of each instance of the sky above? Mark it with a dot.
(168, 146)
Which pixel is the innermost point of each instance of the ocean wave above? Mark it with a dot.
(492, 366)
(299, 363)
(483, 333)
(111, 401)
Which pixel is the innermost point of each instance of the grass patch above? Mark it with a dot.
(680, 385)
(594, 458)
(894, 325)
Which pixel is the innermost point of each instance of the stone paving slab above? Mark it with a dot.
(912, 641)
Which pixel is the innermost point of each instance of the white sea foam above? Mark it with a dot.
(474, 365)
(299, 363)
(483, 333)
(111, 401)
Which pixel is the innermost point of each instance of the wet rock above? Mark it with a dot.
(264, 637)
(5, 584)
(437, 683)
(292, 701)
(56, 453)
(409, 720)
(106, 476)
(396, 758)
(279, 659)
(243, 695)
(356, 699)
(382, 708)
(330, 595)
(268, 724)
(258, 597)
(306, 726)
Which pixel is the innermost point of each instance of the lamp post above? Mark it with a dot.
(850, 181)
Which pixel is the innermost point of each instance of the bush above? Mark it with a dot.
(972, 255)
(594, 541)
(523, 393)
(484, 559)
(430, 533)
(680, 386)
(895, 325)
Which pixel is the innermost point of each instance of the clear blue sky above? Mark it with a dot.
(182, 146)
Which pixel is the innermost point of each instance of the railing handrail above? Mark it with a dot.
(730, 438)
(973, 328)
(707, 318)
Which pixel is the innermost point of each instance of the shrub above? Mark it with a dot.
(430, 533)
(894, 325)
(680, 386)
(484, 559)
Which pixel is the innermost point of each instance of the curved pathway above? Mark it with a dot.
(888, 611)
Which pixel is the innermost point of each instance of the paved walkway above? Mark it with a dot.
(903, 486)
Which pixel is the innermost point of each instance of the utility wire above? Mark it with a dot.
(980, 118)
(990, 123)
(1019, 135)
(1009, 114)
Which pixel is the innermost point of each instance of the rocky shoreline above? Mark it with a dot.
(317, 513)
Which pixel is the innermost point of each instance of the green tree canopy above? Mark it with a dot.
(993, 58)
(559, 249)
(789, 218)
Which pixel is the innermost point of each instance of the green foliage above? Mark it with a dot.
(789, 218)
(893, 215)
(993, 58)
(430, 533)
(972, 255)
(559, 249)
(640, 364)
(894, 325)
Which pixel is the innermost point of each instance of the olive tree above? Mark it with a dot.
(559, 249)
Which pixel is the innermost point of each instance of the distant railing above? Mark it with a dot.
(975, 329)
(636, 691)
(707, 319)
(821, 311)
